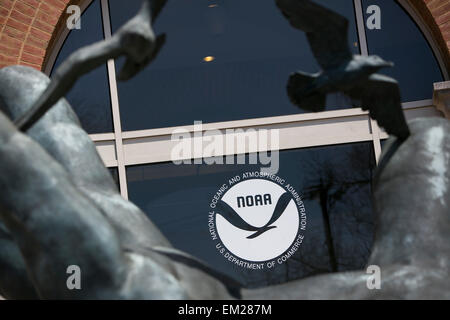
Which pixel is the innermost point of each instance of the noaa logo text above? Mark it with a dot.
(257, 200)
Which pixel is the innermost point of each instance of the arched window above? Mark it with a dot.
(400, 40)
(90, 97)
(226, 63)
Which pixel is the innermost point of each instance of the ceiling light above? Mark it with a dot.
(209, 59)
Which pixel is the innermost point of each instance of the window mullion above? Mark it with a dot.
(360, 22)
(115, 105)
(361, 27)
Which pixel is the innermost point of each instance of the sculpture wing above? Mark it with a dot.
(327, 31)
(381, 96)
(232, 217)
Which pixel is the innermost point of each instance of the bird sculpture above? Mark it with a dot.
(135, 40)
(354, 75)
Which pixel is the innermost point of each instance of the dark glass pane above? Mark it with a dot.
(335, 182)
(90, 96)
(401, 41)
(255, 50)
(115, 175)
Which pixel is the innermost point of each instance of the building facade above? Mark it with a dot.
(222, 74)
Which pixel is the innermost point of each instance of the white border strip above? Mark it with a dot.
(115, 105)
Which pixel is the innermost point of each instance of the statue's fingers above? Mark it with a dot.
(131, 68)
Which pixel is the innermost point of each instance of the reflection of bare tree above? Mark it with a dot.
(335, 183)
(340, 187)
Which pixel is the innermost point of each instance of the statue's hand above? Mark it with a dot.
(133, 66)
(138, 40)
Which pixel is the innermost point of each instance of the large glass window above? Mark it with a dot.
(90, 96)
(253, 47)
(230, 61)
(335, 182)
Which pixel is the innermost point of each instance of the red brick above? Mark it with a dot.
(39, 52)
(39, 43)
(50, 10)
(35, 66)
(26, 57)
(25, 9)
(42, 16)
(14, 33)
(40, 34)
(10, 42)
(4, 12)
(443, 19)
(7, 60)
(17, 25)
(43, 26)
(57, 4)
(8, 4)
(441, 10)
(32, 3)
(8, 51)
(21, 17)
(433, 5)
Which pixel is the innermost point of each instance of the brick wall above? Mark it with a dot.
(28, 28)
(440, 9)
(436, 15)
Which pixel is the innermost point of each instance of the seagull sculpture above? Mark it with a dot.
(135, 40)
(354, 75)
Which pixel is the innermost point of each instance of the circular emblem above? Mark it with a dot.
(257, 220)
